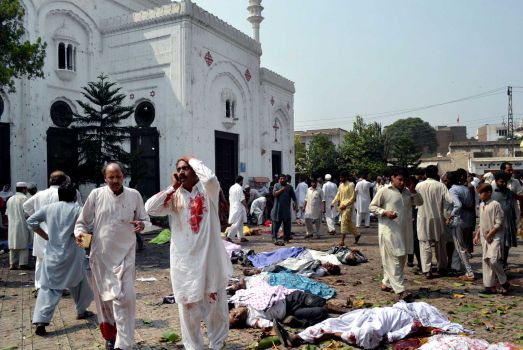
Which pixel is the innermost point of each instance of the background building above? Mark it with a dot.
(335, 135)
(447, 134)
(195, 81)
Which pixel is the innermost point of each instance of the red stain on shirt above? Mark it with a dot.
(108, 331)
(197, 208)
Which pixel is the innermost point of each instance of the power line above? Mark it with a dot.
(371, 116)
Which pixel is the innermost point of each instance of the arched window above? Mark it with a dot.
(144, 114)
(61, 56)
(74, 59)
(70, 57)
(228, 109)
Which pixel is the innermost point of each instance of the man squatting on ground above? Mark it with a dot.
(63, 263)
(200, 266)
(116, 214)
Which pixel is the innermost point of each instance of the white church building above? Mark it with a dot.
(195, 81)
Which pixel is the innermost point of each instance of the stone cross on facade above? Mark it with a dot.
(275, 127)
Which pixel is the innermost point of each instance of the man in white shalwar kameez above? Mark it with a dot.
(116, 215)
(314, 207)
(237, 210)
(301, 193)
(63, 262)
(200, 266)
(431, 221)
(33, 204)
(18, 234)
(258, 209)
(393, 207)
(363, 201)
(329, 191)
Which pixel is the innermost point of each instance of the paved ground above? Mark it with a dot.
(493, 318)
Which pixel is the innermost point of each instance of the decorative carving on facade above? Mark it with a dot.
(208, 58)
(247, 75)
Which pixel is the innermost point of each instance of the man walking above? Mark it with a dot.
(116, 215)
(363, 201)
(393, 207)
(63, 262)
(281, 211)
(19, 235)
(329, 191)
(38, 201)
(344, 200)
(314, 207)
(237, 210)
(301, 193)
(200, 266)
(431, 221)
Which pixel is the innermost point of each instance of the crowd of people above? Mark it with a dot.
(417, 215)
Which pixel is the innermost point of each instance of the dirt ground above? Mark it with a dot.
(493, 318)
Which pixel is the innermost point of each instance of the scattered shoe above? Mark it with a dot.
(84, 315)
(40, 329)
(384, 288)
(505, 288)
(109, 345)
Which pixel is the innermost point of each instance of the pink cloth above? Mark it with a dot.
(260, 295)
(231, 247)
(456, 342)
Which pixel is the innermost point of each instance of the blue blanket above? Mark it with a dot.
(269, 258)
(293, 281)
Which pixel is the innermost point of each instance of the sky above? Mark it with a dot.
(386, 60)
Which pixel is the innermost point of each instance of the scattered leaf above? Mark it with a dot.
(170, 337)
(458, 296)
(147, 322)
(457, 284)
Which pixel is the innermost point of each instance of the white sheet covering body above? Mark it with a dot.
(395, 236)
(199, 263)
(329, 191)
(112, 258)
(367, 327)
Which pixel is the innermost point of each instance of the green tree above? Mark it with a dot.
(405, 153)
(322, 156)
(363, 149)
(100, 135)
(18, 57)
(420, 132)
(301, 159)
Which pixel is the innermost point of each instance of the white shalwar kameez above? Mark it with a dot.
(258, 208)
(366, 328)
(31, 206)
(395, 237)
(431, 223)
(19, 235)
(301, 193)
(199, 263)
(237, 214)
(329, 191)
(313, 205)
(63, 262)
(362, 202)
(112, 258)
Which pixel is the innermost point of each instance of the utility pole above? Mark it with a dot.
(510, 123)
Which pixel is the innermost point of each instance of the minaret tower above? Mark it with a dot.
(255, 9)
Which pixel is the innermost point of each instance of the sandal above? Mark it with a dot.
(84, 315)
(384, 288)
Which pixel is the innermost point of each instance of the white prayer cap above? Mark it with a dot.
(328, 177)
(21, 184)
